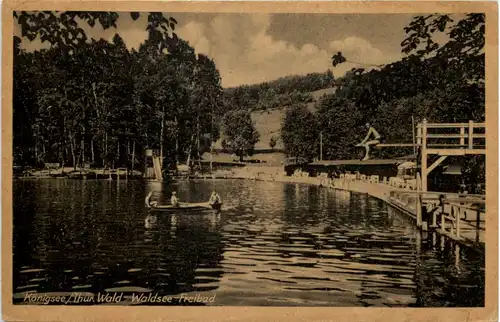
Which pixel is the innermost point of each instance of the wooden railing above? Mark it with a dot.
(455, 222)
(460, 216)
(466, 136)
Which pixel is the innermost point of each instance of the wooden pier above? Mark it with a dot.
(460, 217)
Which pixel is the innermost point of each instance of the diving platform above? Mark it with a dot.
(373, 162)
(435, 139)
(444, 140)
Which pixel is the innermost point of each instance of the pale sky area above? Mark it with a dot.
(253, 48)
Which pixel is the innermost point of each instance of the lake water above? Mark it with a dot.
(272, 244)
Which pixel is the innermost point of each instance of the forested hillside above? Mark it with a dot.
(277, 94)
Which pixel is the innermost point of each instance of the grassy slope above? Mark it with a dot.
(269, 123)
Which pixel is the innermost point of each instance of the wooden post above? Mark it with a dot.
(418, 202)
(457, 256)
(462, 136)
(442, 214)
(413, 134)
(424, 155)
(419, 211)
(211, 153)
(418, 240)
(478, 214)
(471, 134)
(419, 134)
(443, 223)
(457, 222)
(133, 158)
(320, 146)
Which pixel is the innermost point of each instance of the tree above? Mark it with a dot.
(341, 122)
(299, 133)
(240, 132)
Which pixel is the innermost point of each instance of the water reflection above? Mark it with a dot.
(273, 244)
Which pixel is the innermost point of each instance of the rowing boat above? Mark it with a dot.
(184, 207)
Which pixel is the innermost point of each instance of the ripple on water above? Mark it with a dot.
(278, 244)
(32, 270)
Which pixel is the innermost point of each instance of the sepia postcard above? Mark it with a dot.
(260, 161)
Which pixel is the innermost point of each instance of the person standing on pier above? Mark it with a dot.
(367, 142)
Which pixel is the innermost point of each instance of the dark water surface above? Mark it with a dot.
(273, 244)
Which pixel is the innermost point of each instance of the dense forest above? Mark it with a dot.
(442, 83)
(86, 100)
(277, 94)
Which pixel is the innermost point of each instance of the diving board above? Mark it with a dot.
(395, 145)
(358, 162)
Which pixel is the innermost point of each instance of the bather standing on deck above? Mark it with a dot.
(367, 142)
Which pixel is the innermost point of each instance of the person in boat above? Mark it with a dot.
(149, 203)
(367, 142)
(214, 200)
(173, 200)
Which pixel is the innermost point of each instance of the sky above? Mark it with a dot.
(254, 48)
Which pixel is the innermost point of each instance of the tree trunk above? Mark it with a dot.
(211, 155)
(133, 156)
(72, 145)
(117, 152)
(36, 150)
(106, 146)
(198, 143)
(92, 150)
(128, 154)
(176, 141)
(82, 153)
(161, 135)
(189, 156)
(190, 149)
